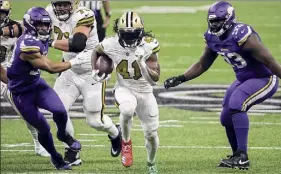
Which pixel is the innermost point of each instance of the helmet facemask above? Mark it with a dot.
(130, 37)
(43, 29)
(62, 9)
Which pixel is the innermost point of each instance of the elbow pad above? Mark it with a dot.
(77, 43)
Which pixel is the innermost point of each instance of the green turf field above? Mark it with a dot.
(190, 142)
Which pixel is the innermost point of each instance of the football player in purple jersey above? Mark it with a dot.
(256, 72)
(30, 92)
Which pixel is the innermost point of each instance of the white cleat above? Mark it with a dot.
(42, 152)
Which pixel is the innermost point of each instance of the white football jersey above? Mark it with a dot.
(82, 16)
(6, 48)
(127, 69)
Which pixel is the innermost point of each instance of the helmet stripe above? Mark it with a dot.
(131, 19)
(127, 19)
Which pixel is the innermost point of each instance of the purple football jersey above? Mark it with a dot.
(21, 74)
(244, 64)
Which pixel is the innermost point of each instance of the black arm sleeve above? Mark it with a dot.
(77, 43)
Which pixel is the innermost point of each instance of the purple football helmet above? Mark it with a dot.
(221, 16)
(34, 19)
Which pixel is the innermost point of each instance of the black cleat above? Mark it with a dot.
(59, 163)
(224, 165)
(238, 161)
(70, 141)
(72, 158)
(116, 143)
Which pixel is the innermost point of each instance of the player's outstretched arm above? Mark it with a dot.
(3, 73)
(75, 43)
(13, 30)
(42, 62)
(262, 54)
(195, 70)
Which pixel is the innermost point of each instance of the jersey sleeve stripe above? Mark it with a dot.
(156, 49)
(30, 49)
(243, 39)
(86, 21)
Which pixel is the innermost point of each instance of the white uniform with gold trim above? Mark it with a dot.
(131, 86)
(77, 80)
(6, 48)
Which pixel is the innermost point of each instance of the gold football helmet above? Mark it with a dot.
(64, 8)
(5, 11)
(130, 29)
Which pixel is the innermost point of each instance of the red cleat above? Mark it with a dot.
(127, 153)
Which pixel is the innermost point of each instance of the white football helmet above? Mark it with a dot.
(64, 8)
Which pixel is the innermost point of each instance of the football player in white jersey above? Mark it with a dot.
(75, 34)
(135, 56)
(9, 31)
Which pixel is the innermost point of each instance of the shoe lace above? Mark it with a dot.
(127, 148)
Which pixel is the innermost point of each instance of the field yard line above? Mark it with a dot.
(82, 140)
(92, 134)
(164, 147)
(217, 122)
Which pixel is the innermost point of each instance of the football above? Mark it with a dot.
(105, 65)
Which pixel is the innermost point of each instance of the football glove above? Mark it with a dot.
(102, 78)
(174, 81)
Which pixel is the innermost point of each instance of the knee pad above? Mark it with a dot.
(60, 111)
(150, 134)
(127, 109)
(98, 121)
(44, 129)
(225, 117)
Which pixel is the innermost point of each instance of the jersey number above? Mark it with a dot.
(234, 59)
(58, 31)
(122, 69)
(3, 51)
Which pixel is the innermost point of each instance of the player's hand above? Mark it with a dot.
(106, 22)
(102, 78)
(172, 82)
(78, 61)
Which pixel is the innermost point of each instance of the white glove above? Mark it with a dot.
(101, 78)
(78, 61)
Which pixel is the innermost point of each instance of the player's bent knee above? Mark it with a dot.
(59, 111)
(44, 129)
(98, 121)
(150, 134)
(127, 109)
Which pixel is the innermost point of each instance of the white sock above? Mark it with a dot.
(151, 148)
(126, 125)
(34, 135)
(111, 130)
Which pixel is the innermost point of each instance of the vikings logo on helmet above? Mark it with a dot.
(34, 17)
(221, 16)
(64, 8)
(130, 29)
(5, 7)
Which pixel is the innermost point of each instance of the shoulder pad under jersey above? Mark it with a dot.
(108, 43)
(151, 43)
(241, 33)
(30, 45)
(83, 16)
